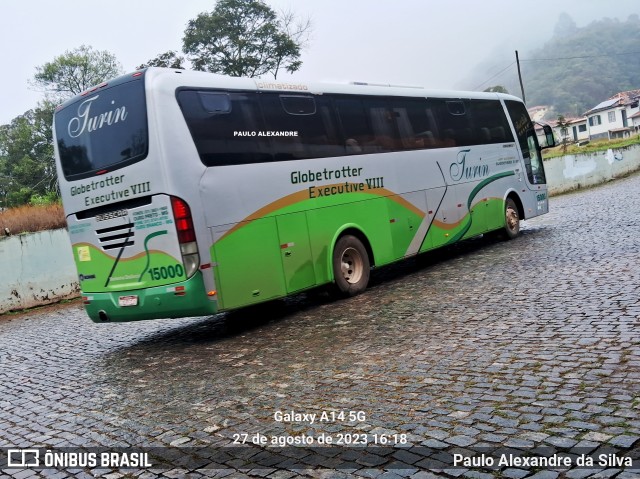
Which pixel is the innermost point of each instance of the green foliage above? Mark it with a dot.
(27, 166)
(26, 157)
(496, 89)
(168, 59)
(591, 147)
(18, 197)
(49, 198)
(243, 38)
(591, 65)
(75, 71)
(564, 132)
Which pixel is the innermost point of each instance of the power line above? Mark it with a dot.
(579, 57)
(494, 76)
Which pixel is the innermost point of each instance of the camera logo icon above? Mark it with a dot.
(23, 458)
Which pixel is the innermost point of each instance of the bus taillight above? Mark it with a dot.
(186, 235)
(184, 223)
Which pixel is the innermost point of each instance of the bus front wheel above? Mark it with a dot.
(351, 266)
(511, 219)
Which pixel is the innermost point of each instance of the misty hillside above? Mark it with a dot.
(580, 67)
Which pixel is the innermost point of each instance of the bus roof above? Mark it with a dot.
(168, 78)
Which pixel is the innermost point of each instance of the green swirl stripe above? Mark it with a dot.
(146, 250)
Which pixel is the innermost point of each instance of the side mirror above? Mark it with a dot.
(549, 139)
(548, 134)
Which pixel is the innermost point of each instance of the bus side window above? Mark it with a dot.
(382, 121)
(489, 122)
(453, 122)
(356, 130)
(325, 138)
(301, 126)
(415, 123)
(215, 103)
(223, 126)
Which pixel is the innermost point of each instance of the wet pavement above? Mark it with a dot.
(488, 346)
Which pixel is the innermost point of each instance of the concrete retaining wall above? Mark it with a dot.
(38, 268)
(571, 172)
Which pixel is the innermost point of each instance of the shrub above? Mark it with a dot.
(591, 147)
(47, 199)
(31, 218)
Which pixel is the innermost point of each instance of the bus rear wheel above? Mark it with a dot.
(351, 266)
(511, 219)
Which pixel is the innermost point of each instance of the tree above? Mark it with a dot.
(563, 125)
(245, 38)
(565, 26)
(299, 31)
(497, 89)
(168, 59)
(27, 167)
(580, 67)
(75, 71)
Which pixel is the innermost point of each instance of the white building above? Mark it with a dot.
(577, 130)
(616, 117)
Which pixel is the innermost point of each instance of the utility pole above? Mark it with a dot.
(520, 76)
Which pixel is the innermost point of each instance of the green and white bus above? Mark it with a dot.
(190, 193)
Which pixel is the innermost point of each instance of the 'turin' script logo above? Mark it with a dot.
(84, 122)
(459, 170)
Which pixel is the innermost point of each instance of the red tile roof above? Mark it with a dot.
(627, 96)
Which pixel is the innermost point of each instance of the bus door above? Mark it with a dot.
(534, 175)
(437, 199)
(246, 263)
(407, 227)
(295, 251)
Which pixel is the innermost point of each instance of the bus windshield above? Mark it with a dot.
(103, 130)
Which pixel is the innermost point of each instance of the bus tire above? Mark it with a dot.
(351, 266)
(511, 219)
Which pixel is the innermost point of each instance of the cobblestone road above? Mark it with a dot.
(523, 344)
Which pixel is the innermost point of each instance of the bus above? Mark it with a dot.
(191, 193)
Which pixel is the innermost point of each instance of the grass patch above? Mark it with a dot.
(29, 219)
(591, 147)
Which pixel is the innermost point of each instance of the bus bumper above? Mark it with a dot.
(187, 298)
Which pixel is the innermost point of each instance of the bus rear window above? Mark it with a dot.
(104, 130)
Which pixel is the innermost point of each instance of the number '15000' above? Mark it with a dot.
(165, 272)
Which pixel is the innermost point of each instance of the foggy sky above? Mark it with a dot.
(436, 44)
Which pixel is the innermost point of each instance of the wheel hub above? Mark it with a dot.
(351, 265)
(512, 219)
